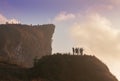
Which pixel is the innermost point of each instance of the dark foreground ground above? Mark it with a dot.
(59, 67)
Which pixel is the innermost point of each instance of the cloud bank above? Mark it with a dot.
(98, 36)
(115, 2)
(64, 16)
(96, 32)
(94, 29)
(3, 20)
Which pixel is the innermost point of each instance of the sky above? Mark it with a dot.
(91, 24)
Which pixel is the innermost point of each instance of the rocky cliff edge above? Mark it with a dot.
(20, 44)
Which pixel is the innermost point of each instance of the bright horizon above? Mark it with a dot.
(91, 24)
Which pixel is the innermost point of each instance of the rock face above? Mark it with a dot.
(20, 44)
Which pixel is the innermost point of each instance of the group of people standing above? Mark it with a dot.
(77, 51)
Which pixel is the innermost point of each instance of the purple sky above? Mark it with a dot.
(36, 9)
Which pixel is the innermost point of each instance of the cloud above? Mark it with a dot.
(115, 2)
(3, 20)
(100, 8)
(13, 21)
(97, 32)
(98, 36)
(64, 16)
(103, 6)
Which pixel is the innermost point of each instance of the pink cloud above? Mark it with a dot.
(63, 16)
(3, 20)
(115, 2)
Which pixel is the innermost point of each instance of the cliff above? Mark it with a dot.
(20, 44)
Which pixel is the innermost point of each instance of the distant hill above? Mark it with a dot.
(59, 67)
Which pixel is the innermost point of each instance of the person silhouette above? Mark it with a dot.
(76, 50)
(73, 50)
(81, 51)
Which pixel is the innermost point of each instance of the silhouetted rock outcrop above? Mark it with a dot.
(59, 68)
(10, 72)
(20, 44)
(72, 68)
